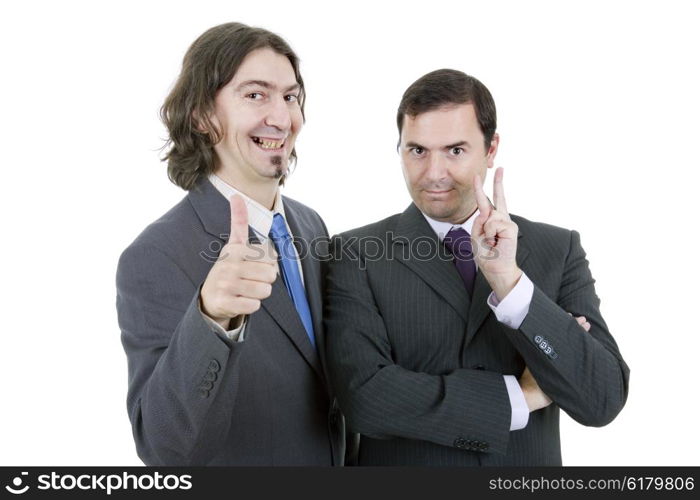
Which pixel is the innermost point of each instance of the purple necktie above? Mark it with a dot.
(459, 243)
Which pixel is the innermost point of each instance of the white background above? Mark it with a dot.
(598, 116)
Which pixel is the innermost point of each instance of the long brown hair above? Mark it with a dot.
(209, 64)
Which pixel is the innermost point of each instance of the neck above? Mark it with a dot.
(263, 191)
(462, 220)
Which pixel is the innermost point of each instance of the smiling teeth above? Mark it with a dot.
(269, 144)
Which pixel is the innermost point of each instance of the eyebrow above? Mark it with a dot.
(457, 144)
(266, 85)
(412, 144)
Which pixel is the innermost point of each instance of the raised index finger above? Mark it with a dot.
(499, 196)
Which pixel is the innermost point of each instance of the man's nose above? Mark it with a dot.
(278, 115)
(437, 168)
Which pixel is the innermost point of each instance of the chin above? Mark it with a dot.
(274, 169)
(279, 173)
(438, 211)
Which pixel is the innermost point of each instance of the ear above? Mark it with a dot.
(493, 149)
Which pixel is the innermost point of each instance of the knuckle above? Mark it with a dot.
(221, 287)
(214, 306)
(237, 287)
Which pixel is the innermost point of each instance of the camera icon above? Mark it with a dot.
(17, 483)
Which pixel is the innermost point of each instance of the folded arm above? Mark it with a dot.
(384, 400)
(583, 373)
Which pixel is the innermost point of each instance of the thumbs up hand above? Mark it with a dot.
(243, 274)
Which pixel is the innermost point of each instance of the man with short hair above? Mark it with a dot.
(220, 313)
(450, 346)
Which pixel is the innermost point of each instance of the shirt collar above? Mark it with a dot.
(442, 228)
(259, 217)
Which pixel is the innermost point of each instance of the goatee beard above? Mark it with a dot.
(279, 169)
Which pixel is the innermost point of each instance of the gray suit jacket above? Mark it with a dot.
(418, 365)
(197, 398)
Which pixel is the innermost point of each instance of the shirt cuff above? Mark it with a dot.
(519, 412)
(511, 311)
(235, 335)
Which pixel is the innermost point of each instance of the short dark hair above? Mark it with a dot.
(444, 87)
(209, 64)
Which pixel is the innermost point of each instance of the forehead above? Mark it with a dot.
(444, 125)
(265, 65)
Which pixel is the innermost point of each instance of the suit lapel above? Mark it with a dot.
(280, 306)
(415, 245)
(213, 211)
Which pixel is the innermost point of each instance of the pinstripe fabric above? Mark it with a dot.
(418, 367)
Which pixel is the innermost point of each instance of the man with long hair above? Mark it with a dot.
(219, 300)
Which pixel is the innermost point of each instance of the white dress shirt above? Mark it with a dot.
(510, 311)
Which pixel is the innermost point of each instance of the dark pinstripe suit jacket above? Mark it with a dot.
(418, 366)
(196, 398)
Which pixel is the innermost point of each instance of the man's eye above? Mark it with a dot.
(291, 98)
(457, 151)
(417, 151)
(254, 95)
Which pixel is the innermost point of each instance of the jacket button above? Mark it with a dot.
(214, 365)
(203, 392)
(206, 385)
(210, 376)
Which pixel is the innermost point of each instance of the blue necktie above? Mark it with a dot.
(290, 272)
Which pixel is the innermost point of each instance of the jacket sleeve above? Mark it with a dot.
(582, 372)
(182, 380)
(468, 409)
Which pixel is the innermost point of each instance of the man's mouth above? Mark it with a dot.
(268, 144)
